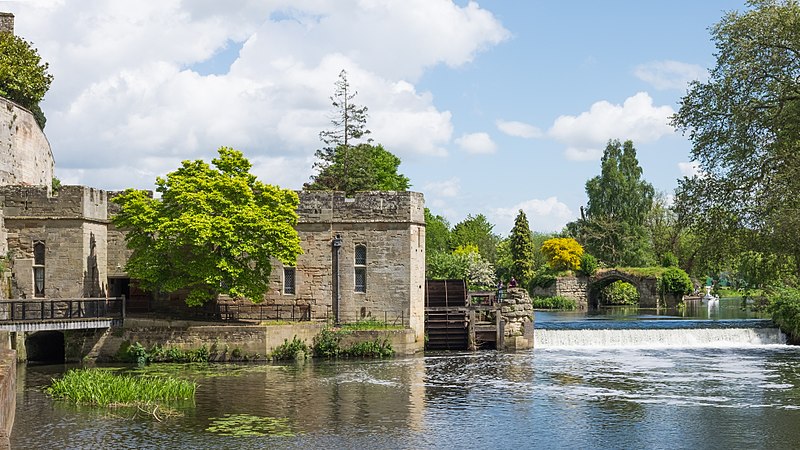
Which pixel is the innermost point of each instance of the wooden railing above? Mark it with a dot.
(38, 310)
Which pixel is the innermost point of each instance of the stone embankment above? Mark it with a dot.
(517, 312)
(8, 395)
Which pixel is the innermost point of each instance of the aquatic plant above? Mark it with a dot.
(141, 355)
(327, 344)
(555, 302)
(290, 350)
(241, 425)
(105, 388)
(370, 349)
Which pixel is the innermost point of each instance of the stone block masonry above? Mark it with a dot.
(25, 154)
(382, 237)
(72, 226)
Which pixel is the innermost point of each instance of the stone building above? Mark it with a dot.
(364, 257)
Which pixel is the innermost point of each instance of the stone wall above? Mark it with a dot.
(8, 395)
(517, 312)
(73, 227)
(257, 341)
(25, 154)
(391, 225)
(6, 22)
(575, 288)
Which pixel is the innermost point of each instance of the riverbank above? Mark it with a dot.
(224, 342)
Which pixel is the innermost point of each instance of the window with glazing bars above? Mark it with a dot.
(361, 268)
(289, 278)
(38, 269)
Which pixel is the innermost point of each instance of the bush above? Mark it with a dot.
(557, 302)
(784, 305)
(620, 293)
(542, 278)
(563, 253)
(669, 260)
(290, 350)
(676, 282)
(327, 344)
(589, 265)
(137, 353)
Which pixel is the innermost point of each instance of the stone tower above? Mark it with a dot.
(6, 22)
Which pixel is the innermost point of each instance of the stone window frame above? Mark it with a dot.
(360, 269)
(289, 280)
(39, 251)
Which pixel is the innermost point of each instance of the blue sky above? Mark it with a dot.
(492, 106)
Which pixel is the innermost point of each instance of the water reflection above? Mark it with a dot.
(547, 398)
(729, 308)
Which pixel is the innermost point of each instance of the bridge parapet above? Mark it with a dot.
(61, 314)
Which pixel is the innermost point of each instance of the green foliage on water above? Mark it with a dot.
(327, 344)
(242, 425)
(290, 350)
(555, 302)
(106, 388)
(141, 355)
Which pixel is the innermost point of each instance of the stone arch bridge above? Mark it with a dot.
(646, 285)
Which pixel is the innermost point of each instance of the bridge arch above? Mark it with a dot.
(45, 347)
(647, 286)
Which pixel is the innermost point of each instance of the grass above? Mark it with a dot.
(370, 324)
(105, 388)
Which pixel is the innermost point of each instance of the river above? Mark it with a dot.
(736, 394)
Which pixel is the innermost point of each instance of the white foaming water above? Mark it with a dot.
(659, 338)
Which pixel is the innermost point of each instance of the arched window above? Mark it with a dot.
(361, 268)
(38, 269)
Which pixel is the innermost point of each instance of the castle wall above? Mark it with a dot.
(25, 154)
(71, 225)
(391, 226)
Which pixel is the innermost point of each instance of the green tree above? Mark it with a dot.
(364, 167)
(744, 124)
(23, 75)
(437, 233)
(563, 253)
(478, 231)
(349, 125)
(613, 229)
(464, 263)
(521, 248)
(212, 232)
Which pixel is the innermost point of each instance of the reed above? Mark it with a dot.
(104, 388)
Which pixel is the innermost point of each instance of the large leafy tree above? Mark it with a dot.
(476, 230)
(437, 233)
(744, 124)
(213, 231)
(613, 227)
(521, 249)
(364, 167)
(23, 75)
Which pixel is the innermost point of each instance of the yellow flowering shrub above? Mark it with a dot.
(563, 253)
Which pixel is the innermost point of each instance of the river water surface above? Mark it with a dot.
(681, 397)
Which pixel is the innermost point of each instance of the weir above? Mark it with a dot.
(657, 333)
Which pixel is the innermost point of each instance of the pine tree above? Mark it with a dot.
(349, 125)
(522, 251)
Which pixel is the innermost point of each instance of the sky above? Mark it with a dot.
(492, 106)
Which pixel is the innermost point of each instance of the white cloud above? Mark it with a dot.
(477, 143)
(636, 119)
(124, 88)
(518, 129)
(546, 215)
(447, 188)
(670, 74)
(690, 169)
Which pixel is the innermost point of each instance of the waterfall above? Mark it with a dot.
(641, 334)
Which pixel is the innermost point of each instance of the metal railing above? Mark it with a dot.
(236, 312)
(37, 310)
